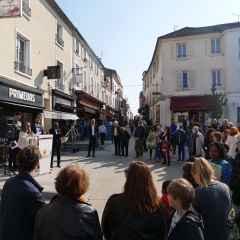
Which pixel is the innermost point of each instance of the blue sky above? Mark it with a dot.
(128, 30)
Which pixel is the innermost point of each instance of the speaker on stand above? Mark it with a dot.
(7, 131)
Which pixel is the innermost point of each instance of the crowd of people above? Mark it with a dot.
(195, 206)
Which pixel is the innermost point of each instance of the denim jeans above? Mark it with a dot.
(181, 150)
(157, 152)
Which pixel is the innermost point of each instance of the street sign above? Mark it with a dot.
(78, 78)
(156, 93)
(11, 8)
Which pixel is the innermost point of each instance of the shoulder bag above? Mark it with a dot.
(115, 231)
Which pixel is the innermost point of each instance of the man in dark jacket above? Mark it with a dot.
(93, 131)
(13, 153)
(139, 137)
(181, 139)
(21, 198)
(37, 128)
(116, 137)
(214, 124)
(224, 126)
(124, 138)
(56, 145)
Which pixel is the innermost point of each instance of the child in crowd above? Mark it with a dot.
(164, 199)
(217, 137)
(216, 153)
(181, 139)
(186, 173)
(184, 223)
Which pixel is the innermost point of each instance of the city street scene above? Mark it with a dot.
(119, 120)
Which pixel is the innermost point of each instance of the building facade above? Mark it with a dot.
(185, 66)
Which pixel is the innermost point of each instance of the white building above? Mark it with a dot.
(184, 67)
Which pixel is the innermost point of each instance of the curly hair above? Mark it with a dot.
(28, 158)
(233, 131)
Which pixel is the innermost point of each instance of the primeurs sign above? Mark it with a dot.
(18, 94)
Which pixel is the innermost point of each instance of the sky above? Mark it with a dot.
(128, 30)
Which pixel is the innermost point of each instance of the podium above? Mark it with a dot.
(44, 144)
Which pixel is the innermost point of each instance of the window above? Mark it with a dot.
(216, 78)
(239, 48)
(22, 63)
(59, 35)
(182, 50)
(82, 53)
(97, 90)
(91, 87)
(59, 84)
(154, 70)
(215, 46)
(150, 77)
(185, 80)
(84, 80)
(77, 47)
(26, 7)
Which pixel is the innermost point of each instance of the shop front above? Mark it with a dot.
(63, 110)
(188, 106)
(88, 106)
(15, 96)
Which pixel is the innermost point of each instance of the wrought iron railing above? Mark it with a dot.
(59, 85)
(77, 51)
(21, 68)
(26, 9)
(215, 51)
(181, 56)
(59, 40)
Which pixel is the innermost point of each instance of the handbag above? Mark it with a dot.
(165, 145)
(232, 230)
(153, 143)
(115, 231)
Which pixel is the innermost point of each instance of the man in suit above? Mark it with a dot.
(13, 153)
(93, 131)
(56, 146)
(37, 128)
(116, 137)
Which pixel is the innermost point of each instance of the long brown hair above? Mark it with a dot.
(139, 194)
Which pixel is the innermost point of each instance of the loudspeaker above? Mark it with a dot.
(7, 127)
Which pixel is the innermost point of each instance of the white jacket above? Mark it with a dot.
(23, 140)
(232, 143)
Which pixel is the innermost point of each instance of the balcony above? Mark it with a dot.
(59, 40)
(59, 85)
(21, 68)
(26, 9)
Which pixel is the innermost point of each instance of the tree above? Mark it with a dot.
(214, 103)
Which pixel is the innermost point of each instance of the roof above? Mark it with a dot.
(115, 72)
(189, 31)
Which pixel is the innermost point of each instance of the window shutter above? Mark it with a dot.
(82, 53)
(224, 78)
(74, 44)
(192, 80)
(157, 63)
(173, 50)
(179, 80)
(208, 46)
(222, 44)
(190, 49)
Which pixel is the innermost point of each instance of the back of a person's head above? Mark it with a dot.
(196, 124)
(203, 169)
(28, 158)
(187, 174)
(165, 184)
(209, 133)
(226, 147)
(183, 190)
(218, 136)
(233, 131)
(139, 194)
(71, 181)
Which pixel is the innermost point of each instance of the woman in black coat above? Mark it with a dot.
(207, 140)
(68, 216)
(138, 207)
(124, 138)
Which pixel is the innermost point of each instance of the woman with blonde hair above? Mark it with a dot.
(24, 135)
(232, 141)
(217, 137)
(212, 198)
(136, 213)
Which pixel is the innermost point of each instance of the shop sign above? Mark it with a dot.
(78, 78)
(10, 8)
(64, 101)
(17, 94)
